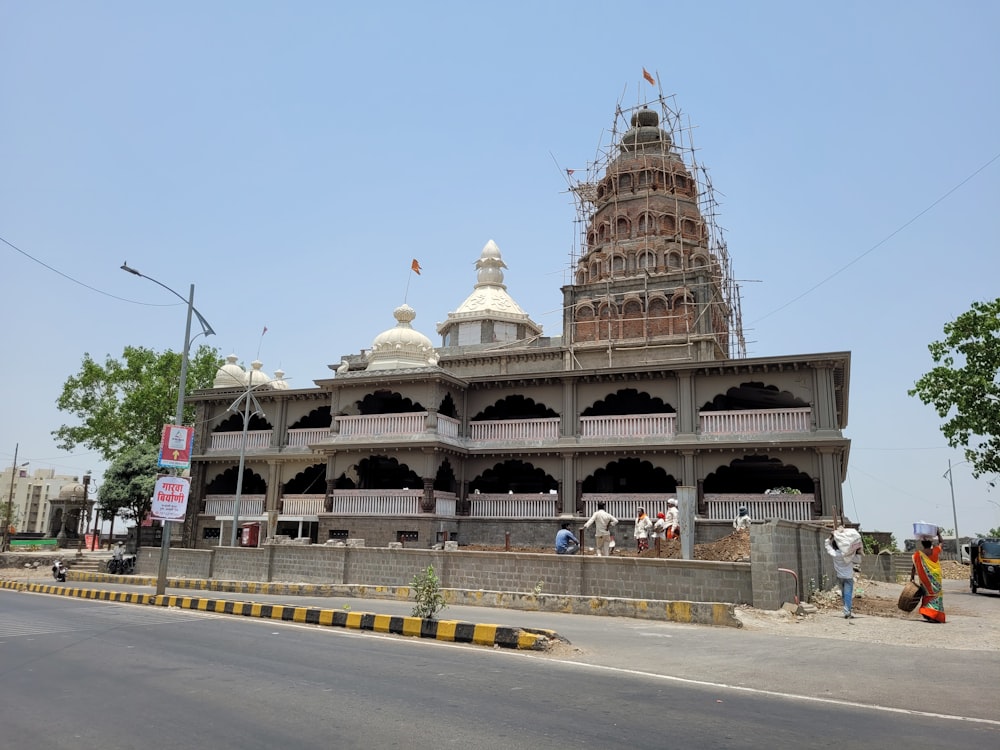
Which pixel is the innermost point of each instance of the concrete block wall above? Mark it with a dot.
(611, 577)
(796, 546)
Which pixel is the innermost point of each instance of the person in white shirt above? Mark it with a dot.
(843, 566)
(673, 520)
(643, 527)
(602, 521)
(742, 520)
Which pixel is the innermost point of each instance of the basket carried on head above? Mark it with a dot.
(909, 597)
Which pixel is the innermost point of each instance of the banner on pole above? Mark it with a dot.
(170, 497)
(176, 446)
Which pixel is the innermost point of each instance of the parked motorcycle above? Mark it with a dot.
(124, 565)
(59, 571)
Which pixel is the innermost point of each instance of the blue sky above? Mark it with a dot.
(290, 159)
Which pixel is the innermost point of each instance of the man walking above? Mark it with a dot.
(602, 521)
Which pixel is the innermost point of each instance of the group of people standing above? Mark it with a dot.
(666, 526)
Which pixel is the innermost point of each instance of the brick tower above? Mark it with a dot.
(651, 282)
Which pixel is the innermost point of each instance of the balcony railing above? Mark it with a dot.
(622, 506)
(761, 507)
(448, 426)
(302, 505)
(515, 429)
(302, 437)
(755, 421)
(517, 505)
(628, 426)
(377, 425)
(222, 505)
(713, 425)
(232, 442)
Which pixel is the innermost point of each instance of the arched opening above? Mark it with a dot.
(515, 407)
(630, 475)
(627, 401)
(513, 476)
(755, 475)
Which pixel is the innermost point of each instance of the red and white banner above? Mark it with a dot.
(170, 497)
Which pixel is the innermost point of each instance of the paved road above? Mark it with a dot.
(872, 674)
(126, 676)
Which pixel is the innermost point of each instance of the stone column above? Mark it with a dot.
(686, 501)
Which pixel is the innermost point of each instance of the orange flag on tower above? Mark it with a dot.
(648, 77)
(415, 267)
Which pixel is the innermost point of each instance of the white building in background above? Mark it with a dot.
(33, 493)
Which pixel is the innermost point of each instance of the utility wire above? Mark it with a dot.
(85, 286)
(877, 245)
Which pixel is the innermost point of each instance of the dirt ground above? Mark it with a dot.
(733, 548)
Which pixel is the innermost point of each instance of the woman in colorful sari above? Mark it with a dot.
(928, 569)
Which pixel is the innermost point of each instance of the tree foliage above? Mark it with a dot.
(963, 388)
(126, 402)
(127, 489)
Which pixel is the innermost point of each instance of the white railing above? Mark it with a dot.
(761, 507)
(376, 502)
(522, 505)
(515, 429)
(755, 421)
(629, 425)
(302, 505)
(222, 505)
(300, 438)
(374, 425)
(447, 426)
(232, 442)
(445, 503)
(625, 507)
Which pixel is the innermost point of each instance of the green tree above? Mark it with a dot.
(963, 387)
(126, 401)
(127, 489)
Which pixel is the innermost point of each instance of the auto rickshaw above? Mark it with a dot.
(984, 564)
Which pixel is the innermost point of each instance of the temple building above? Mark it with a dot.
(501, 429)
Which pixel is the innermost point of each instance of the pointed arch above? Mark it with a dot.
(513, 476)
(756, 475)
(632, 475)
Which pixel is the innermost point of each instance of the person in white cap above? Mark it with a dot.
(673, 520)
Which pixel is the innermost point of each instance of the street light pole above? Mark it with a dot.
(954, 513)
(248, 395)
(9, 518)
(161, 576)
(81, 522)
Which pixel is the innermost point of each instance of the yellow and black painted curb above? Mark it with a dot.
(454, 631)
(718, 614)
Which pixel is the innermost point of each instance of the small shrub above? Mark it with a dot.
(427, 592)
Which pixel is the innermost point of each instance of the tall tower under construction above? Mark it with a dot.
(651, 280)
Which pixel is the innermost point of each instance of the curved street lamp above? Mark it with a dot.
(161, 577)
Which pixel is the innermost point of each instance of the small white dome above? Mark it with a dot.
(279, 383)
(256, 376)
(401, 347)
(230, 375)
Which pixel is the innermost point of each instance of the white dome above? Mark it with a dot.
(401, 347)
(256, 376)
(279, 383)
(230, 375)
